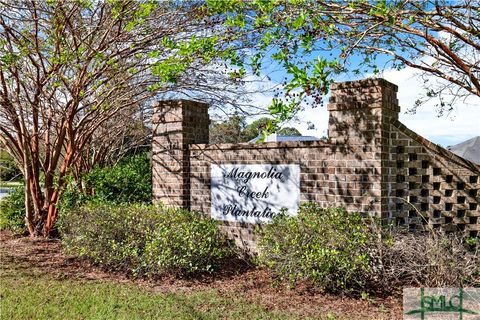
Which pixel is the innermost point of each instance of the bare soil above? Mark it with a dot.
(254, 285)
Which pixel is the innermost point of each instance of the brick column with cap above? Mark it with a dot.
(176, 125)
(361, 113)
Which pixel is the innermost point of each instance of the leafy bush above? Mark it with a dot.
(72, 196)
(186, 242)
(326, 247)
(339, 251)
(112, 236)
(12, 211)
(129, 181)
(144, 239)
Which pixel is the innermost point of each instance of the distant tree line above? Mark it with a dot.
(235, 130)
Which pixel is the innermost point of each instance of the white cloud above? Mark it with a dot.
(461, 124)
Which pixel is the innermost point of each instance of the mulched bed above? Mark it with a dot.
(252, 284)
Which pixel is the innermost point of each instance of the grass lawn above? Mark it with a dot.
(38, 296)
(37, 281)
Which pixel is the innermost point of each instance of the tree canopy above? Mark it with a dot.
(259, 126)
(75, 77)
(316, 40)
(72, 72)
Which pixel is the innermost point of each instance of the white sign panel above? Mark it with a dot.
(254, 193)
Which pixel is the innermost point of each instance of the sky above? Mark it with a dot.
(455, 127)
(459, 125)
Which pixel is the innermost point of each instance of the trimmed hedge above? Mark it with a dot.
(145, 240)
(339, 251)
(327, 247)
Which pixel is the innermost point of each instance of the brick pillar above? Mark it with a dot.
(177, 124)
(360, 116)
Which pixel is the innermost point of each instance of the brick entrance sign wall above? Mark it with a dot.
(371, 163)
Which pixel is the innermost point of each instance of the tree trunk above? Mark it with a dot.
(39, 223)
(52, 214)
(40, 218)
(29, 214)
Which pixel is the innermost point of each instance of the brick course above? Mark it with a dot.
(372, 163)
(177, 124)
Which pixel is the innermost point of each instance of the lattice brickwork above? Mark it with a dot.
(372, 163)
(432, 187)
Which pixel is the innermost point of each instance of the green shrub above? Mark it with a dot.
(186, 242)
(128, 181)
(113, 236)
(72, 196)
(343, 252)
(12, 211)
(326, 247)
(144, 239)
